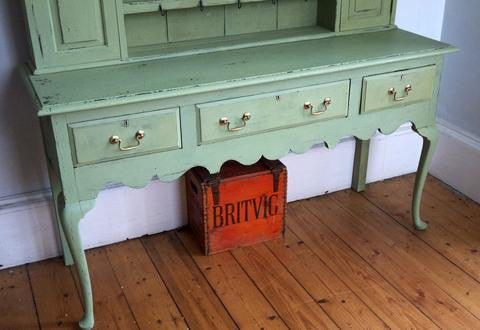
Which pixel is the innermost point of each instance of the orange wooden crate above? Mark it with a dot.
(240, 206)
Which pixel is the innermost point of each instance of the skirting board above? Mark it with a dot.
(28, 232)
(457, 160)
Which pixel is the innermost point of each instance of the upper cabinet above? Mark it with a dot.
(360, 14)
(75, 34)
(69, 33)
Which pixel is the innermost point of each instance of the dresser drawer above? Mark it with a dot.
(253, 114)
(398, 88)
(125, 136)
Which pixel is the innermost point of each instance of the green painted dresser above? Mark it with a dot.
(127, 90)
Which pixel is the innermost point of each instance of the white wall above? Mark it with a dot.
(424, 17)
(460, 97)
(22, 165)
(27, 230)
(457, 161)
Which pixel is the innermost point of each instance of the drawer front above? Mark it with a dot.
(253, 114)
(398, 88)
(119, 137)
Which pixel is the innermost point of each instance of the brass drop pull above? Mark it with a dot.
(393, 92)
(115, 139)
(309, 106)
(225, 122)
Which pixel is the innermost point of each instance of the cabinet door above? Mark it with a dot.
(73, 32)
(360, 14)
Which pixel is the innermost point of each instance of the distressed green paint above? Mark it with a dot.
(360, 164)
(251, 17)
(80, 32)
(273, 110)
(70, 216)
(55, 184)
(192, 23)
(430, 140)
(179, 94)
(329, 14)
(72, 19)
(71, 34)
(230, 42)
(229, 69)
(146, 29)
(376, 88)
(275, 143)
(297, 13)
(140, 6)
(162, 132)
(359, 14)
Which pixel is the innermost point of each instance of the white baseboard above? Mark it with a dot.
(28, 231)
(457, 160)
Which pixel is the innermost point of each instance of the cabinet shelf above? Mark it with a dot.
(226, 43)
(219, 23)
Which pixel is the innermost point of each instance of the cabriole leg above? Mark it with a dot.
(67, 255)
(430, 139)
(71, 215)
(359, 177)
(56, 194)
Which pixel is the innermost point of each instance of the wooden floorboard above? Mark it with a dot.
(195, 299)
(147, 295)
(385, 253)
(368, 284)
(416, 254)
(436, 202)
(453, 199)
(110, 305)
(56, 296)
(453, 235)
(295, 305)
(348, 260)
(345, 308)
(17, 308)
(238, 293)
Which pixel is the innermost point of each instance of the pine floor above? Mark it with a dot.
(348, 260)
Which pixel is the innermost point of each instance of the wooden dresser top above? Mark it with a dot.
(103, 86)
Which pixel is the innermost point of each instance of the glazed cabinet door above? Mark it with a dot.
(360, 14)
(72, 32)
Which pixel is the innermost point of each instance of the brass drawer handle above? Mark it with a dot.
(225, 122)
(309, 106)
(393, 92)
(115, 139)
